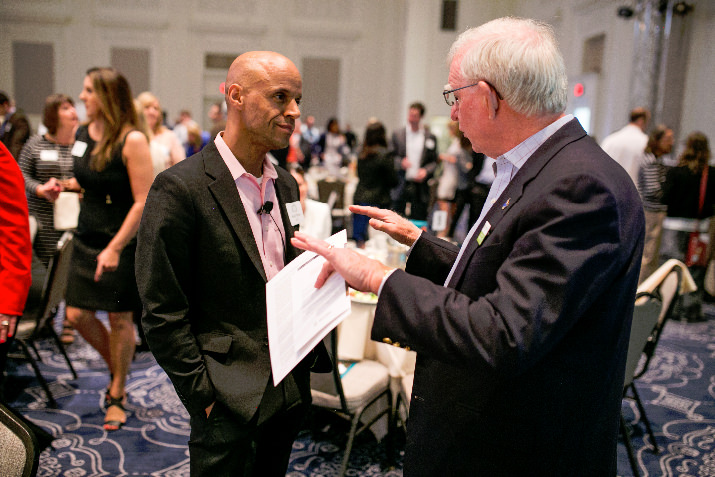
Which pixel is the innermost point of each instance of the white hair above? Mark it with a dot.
(520, 58)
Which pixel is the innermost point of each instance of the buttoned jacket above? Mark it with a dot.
(520, 358)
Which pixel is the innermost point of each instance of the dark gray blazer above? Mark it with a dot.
(429, 154)
(202, 285)
(521, 358)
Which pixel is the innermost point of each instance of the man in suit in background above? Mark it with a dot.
(415, 149)
(521, 335)
(215, 229)
(15, 129)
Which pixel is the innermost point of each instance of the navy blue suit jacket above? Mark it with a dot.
(521, 357)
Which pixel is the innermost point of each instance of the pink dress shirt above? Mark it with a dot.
(267, 229)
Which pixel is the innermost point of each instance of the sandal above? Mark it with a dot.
(114, 424)
(67, 336)
(107, 396)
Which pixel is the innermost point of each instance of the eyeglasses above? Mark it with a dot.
(450, 98)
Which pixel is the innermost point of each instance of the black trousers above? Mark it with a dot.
(417, 194)
(222, 445)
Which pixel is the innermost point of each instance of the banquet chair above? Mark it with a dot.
(402, 402)
(668, 291)
(20, 450)
(351, 392)
(39, 323)
(332, 192)
(645, 319)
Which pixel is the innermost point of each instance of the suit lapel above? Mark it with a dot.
(223, 188)
(569, 133)
(285, 195)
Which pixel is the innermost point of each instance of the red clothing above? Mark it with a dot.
(15, 245)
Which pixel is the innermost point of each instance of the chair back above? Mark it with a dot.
(645, 318)
(331, 191)
(331, 383)
(53, 291)
(668, 291)
(20, 451)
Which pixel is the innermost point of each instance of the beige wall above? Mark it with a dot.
(391, 52)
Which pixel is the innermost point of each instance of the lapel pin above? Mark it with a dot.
(505, 204)
(482, 235)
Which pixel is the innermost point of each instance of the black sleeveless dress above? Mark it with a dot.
(107, 198)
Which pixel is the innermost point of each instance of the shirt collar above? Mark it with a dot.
(520, 153)
(235, 166)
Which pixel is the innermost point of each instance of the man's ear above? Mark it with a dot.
(235, 95)
(491, 98)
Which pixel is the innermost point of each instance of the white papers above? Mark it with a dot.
(300, 315)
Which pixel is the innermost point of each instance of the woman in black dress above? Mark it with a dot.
(689, 194)
(112, 164)
(376, 175)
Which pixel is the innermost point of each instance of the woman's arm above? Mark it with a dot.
(177, 153)
(139, 167)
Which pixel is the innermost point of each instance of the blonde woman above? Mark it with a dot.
(166, 149)
(112, 164)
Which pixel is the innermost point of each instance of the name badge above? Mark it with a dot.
(295, 213)
(79, 148)
(483, 234)
(49, 155)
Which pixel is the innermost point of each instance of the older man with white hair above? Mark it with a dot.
(521, 335)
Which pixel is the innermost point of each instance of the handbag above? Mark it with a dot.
(66, 211)
(696, 253)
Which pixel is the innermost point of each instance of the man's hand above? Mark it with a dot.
(392, 223)
(360, 272)
(421, 175)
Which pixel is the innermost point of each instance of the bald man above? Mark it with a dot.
(215, 229)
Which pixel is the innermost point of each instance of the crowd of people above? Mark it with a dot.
(500, 325)
(678, 198)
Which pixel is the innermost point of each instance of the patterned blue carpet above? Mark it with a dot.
(678, 393)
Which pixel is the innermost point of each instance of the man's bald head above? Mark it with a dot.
(263, 93)
(256, 66)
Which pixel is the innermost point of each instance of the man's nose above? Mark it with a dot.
(293, 109)
(454, 111)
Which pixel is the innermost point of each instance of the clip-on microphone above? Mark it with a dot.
(265, 208)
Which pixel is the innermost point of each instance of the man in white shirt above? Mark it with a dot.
(415, 149)
(626, 145)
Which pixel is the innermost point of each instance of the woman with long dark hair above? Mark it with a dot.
(112, 164)
(689, 193)
(376, 175)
